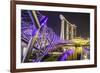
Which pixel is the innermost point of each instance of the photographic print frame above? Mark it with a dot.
(17, 6)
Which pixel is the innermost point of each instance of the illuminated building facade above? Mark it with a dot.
(39, 42)
(68, 30)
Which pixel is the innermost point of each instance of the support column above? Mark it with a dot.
(67, 31)
(62, 27)
(75, 31)
(72, 30)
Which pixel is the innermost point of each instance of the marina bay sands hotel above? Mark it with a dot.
(40, 43)
(68, 30)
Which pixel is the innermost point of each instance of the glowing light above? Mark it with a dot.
(80, 41)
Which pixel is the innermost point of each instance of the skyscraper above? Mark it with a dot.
(68, 30)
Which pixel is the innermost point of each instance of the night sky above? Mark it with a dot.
(81, 20)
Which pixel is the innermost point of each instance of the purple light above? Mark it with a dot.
(70, 52)
(63, 57)
(53, 40)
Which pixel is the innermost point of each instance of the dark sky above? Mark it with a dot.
(81, 20)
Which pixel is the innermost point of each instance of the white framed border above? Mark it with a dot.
(20, 65)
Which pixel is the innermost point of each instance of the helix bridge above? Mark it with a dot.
(37, 38)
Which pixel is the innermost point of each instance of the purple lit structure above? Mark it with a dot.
(37, 39)
(65, 55)
(46, 40)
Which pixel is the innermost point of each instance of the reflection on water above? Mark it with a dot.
(40, 43)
